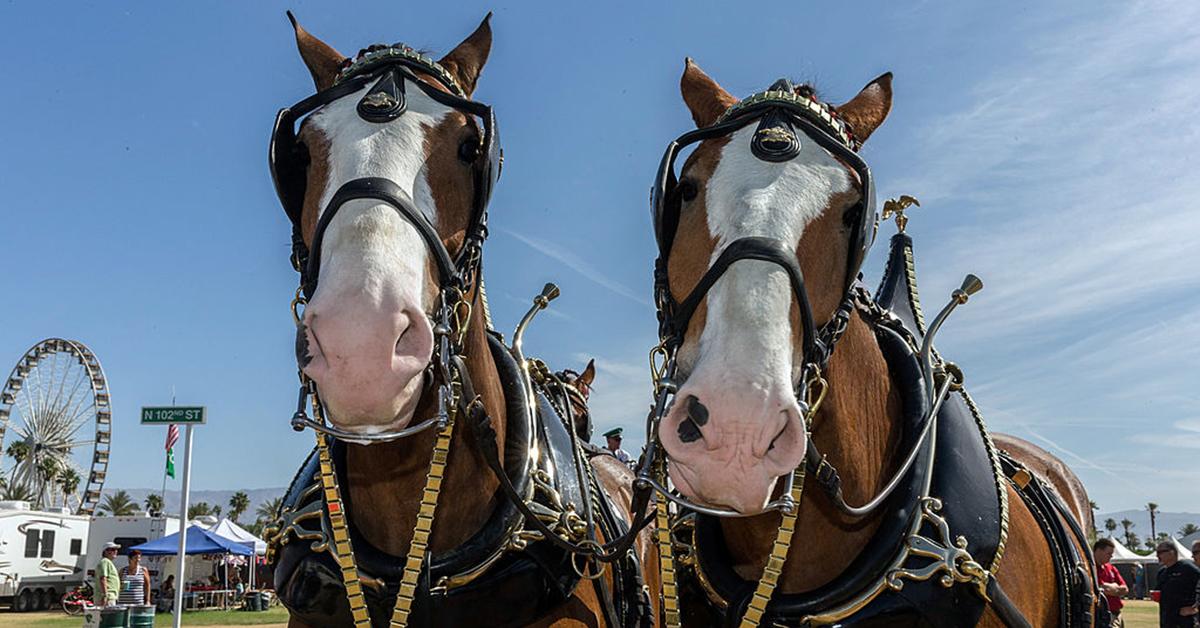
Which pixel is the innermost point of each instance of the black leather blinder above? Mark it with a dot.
(385, 101)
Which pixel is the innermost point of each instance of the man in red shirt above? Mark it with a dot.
(1111, 582)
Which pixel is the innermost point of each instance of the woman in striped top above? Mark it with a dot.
(135, 581)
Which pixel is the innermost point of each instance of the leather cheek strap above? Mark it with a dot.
(384, 190)
(751, 248)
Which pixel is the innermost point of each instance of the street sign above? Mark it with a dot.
(162, 415)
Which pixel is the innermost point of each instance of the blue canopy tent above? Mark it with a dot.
(199, 541)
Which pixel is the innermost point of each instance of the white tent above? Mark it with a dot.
(1184, 550)
(235, 532)
(1122, 554)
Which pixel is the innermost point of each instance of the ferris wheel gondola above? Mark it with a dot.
(56, 412)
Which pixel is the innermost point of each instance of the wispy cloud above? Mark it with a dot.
(579, 265)
(1067, 182)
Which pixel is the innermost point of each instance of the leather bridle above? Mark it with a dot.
(387, 71)
(785, 118)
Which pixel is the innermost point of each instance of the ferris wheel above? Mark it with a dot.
(56, 412)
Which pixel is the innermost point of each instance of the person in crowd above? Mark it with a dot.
(166, 595)
(1111, 583)
(613, 438)
(235, 583)
(1177, 582)
(108, 582)
(1139, 581)
(135, 581)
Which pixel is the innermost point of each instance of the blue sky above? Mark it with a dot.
(1052, 146)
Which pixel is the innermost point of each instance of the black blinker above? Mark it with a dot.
(385, 101)
(775, 140)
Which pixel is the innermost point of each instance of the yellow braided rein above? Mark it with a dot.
(779, 553)
(417, 549)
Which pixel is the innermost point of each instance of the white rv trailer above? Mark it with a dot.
(41, 555)
(130, 530)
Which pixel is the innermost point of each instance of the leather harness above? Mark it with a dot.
(942, 532)
(526, 559)
(511, 585)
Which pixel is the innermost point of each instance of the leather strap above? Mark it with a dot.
(380, 189)
(750, 248)
(1004, 607)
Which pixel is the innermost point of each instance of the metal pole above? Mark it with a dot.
(183, 508)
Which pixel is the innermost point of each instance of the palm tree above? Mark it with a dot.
(18, 451)
(266, 510)
(154, 503)
(201, 509)
(18, 492)
(1130, 537)
(69, 481)
(1110, 524)
(238, 504)
(119, 504)
(1188, 529)
(48, 470)
(1153, 508)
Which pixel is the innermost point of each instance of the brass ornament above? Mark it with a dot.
(950, 559)
(896, 206)
(775, 134)
(379, 100)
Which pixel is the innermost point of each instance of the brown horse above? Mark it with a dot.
(370, 335)
(737, 425)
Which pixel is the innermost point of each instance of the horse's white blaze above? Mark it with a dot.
(748, 324)
(743, 367)
(368, 332)
(385, 250)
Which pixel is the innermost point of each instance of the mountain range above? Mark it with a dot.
(1169, 522)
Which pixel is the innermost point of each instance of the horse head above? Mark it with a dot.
(399, 129)
(761, 181)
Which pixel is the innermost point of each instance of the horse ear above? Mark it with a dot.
(589, 373)
(704, 97)
(466, 61)
(866, 111)
(322, 60)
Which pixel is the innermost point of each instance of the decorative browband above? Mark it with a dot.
(379, 55)
(814, 110)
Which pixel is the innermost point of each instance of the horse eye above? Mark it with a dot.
(468, 151)
(687, 191)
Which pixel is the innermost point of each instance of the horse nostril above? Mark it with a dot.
(303, 355)
(696, 411)
(688, 432)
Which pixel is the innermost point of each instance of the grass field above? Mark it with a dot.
(1140, 614)
(276, 617)
(1137, 614)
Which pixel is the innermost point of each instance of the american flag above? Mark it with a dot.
(172, 435)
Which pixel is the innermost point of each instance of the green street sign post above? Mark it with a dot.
(189, 416)
(162, 415)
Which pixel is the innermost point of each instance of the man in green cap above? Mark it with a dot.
(613, 437)
(108, 582)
